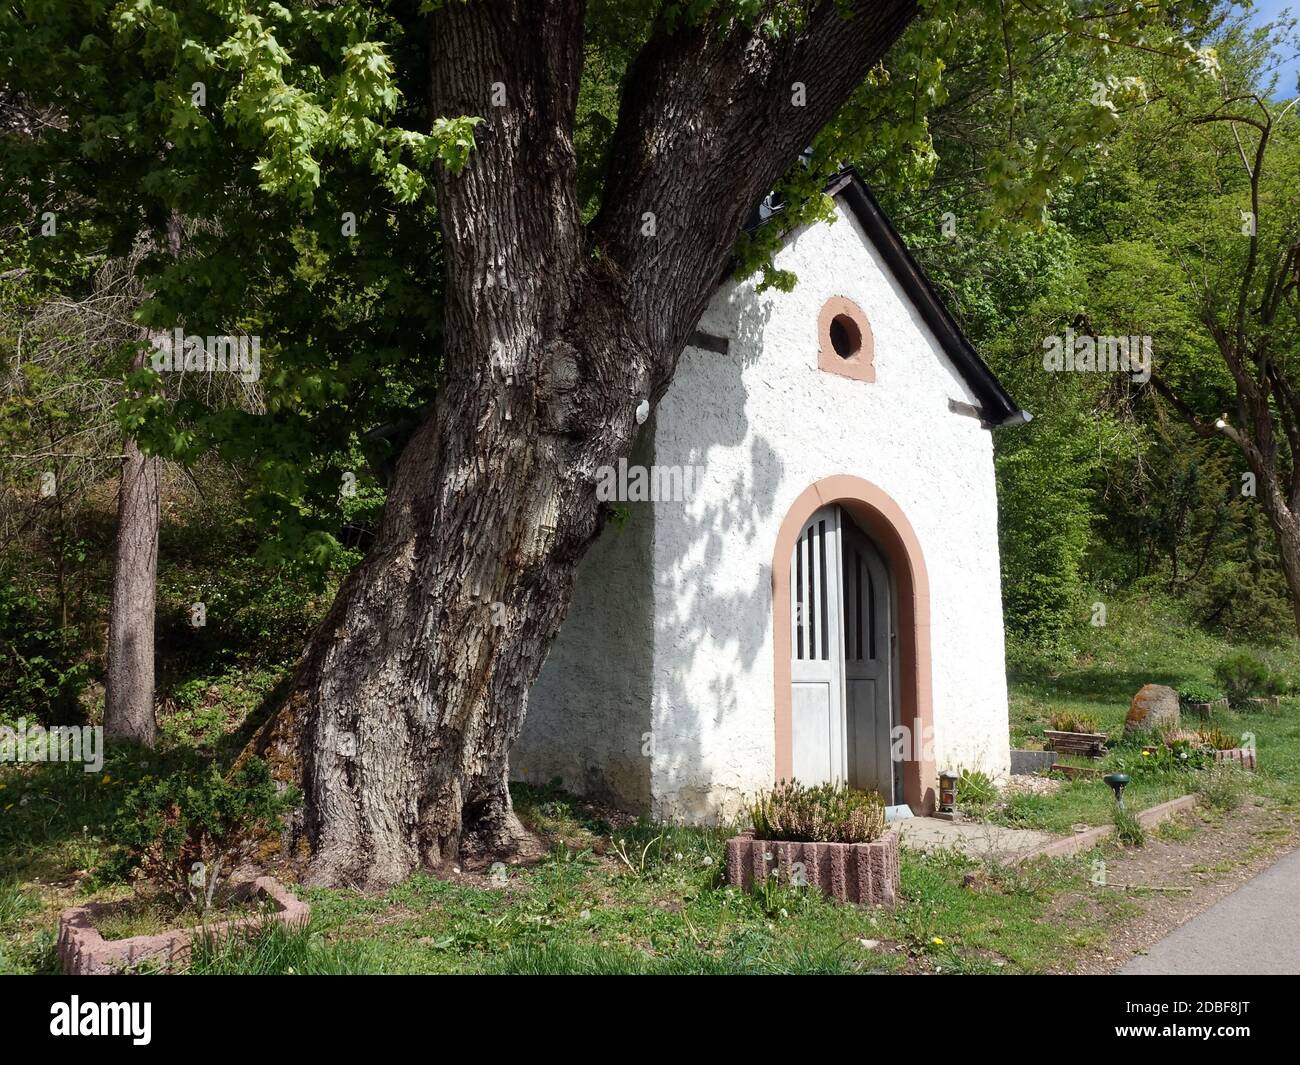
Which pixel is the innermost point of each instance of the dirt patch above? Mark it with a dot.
(1208, 852)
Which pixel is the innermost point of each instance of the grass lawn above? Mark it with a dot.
(1144, 643)
(647, 898)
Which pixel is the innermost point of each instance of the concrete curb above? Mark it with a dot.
(1085, 841)
(84, 952)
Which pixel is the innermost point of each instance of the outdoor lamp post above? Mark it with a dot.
(1117, 781)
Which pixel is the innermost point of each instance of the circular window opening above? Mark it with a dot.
(846, 337)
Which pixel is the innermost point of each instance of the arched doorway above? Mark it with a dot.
(852, 648)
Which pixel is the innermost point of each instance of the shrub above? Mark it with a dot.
(1128, 829)
(186, 832)
(1198, 693)
(975, 788)
(827, 813)
(1070, 721)
(1223, 786)
(1243, 675)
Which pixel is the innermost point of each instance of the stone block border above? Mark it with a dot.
(1084, 841)
(1206, 709)
(84, 952)
(863, 873)
(1242, 756)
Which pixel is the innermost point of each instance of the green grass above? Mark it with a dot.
(585, 915)
(649, 898)
(1146, 641)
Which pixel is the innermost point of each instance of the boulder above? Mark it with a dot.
(1154, 707)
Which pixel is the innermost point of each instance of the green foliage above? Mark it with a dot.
(1128, 829)
(186, 831)
(1045, 524)
(826, 813)
(1192, 692)
(975, 788)
(40, 677)
(1242, 676)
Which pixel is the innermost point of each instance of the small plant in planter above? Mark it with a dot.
(828, 836)
(1069, 721)
(185, 833)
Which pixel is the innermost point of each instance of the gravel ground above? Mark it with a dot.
(1219, 854)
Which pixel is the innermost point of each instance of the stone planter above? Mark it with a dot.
(1242, 756)
(1265, 700)
(864, 873)
(84, 952)
(1206, 709)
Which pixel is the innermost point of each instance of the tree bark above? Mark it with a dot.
(129, 681)
(129, 685)
(409, 696)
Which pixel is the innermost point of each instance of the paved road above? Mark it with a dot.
(1253, 930)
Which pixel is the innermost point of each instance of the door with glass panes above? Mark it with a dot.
(842, 651)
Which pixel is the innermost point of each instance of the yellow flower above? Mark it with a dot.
(106, 779)
(1146, 754)
(937, 941)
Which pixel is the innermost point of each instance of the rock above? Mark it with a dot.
(1155, 706)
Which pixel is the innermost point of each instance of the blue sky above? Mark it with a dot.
(1265, 11)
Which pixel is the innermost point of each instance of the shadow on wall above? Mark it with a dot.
(623, 685)
(714, 577)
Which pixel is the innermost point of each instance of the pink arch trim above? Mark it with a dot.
(880, 516)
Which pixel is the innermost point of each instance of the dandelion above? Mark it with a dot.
(937, 941)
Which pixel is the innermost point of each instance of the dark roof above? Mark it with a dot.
(996, 407)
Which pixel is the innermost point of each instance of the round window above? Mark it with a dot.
(846, 337)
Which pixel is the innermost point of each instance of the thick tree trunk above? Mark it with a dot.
(128, 696)
(1286, 529)
(404, 708)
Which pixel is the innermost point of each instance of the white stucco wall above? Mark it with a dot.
(763, 423)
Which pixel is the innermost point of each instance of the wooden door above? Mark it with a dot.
(818, 738)
(868, 657)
